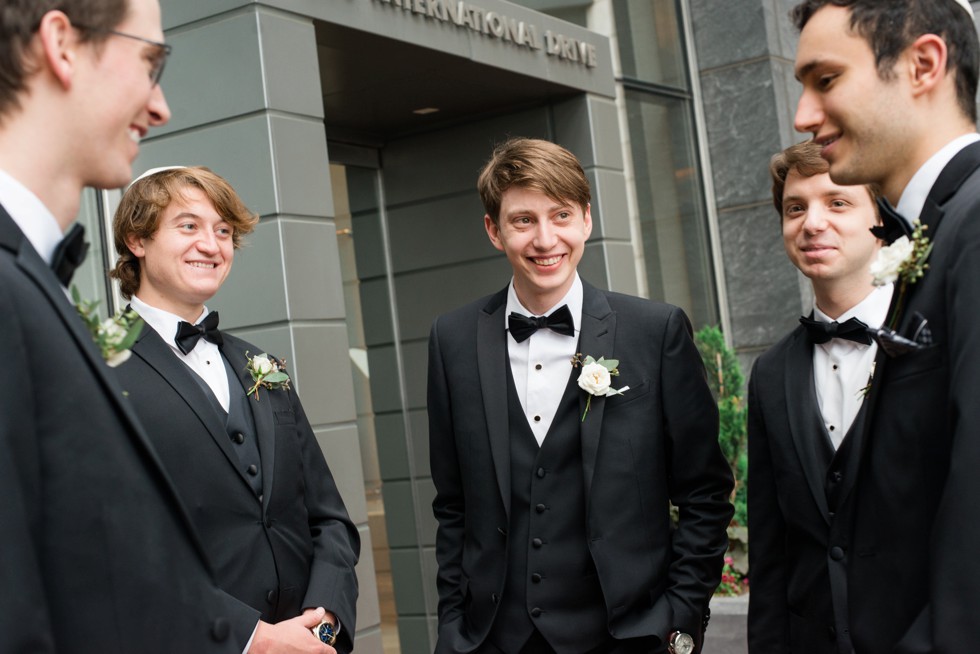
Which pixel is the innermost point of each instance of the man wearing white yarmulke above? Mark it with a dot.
(889, 92)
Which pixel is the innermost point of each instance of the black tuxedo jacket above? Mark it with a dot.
(656, 443)
(297, 547)
(790, 606)
(98, 552)
(913, 548)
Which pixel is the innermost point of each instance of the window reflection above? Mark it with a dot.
(91, 277)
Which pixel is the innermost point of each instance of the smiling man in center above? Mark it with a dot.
(553, 501)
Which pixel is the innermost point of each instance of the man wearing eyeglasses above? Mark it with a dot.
(97, 554)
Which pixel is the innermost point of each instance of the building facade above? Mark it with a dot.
(356, 129)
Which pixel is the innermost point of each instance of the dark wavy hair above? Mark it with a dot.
(890, 26)
(805, 159)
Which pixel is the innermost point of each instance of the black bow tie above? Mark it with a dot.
(188, 335)
(560, 321)
(893, 226)
(851, 330)
(69, 254)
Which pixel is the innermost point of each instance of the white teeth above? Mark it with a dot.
(547, 262)
(198, 264)
(134, 134)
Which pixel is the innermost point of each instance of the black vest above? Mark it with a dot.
(551, 583)
(239, 425)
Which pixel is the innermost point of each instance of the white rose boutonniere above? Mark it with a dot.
(888, 264)
(114, 335)
(905, 262)
(267, 372)
(596, 378)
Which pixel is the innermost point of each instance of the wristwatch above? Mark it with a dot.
(326, 632)
(680, 643)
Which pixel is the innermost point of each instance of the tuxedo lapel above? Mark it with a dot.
(809, 439)
(491, 356)
(152, 349)
(596, 339)
(262, 413)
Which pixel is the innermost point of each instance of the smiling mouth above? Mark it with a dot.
(202, 264)
(549, 261)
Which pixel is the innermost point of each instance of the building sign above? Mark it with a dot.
(493, 24)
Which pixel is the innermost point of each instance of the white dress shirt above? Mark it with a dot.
(843, 368)
(30, 214)
(541, 365)
(917, 190)
(204, 359)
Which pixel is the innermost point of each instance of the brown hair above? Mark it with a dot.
(20, 20)
(534, 164)
(144, 202)
(890, 26)
(805, 159)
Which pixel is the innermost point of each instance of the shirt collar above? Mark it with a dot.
(163, 322)
(32, 217)
(573, 298)
(872, 310)
(917, 190)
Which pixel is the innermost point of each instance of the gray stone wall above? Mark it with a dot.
(745, 51)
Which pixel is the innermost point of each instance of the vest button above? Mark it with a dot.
(252, 470)
(536, 578)
(541, 473)
(239, 438)
(836, 553)
(537, 542)
(540, 508)
(535, 612)
(837, 477)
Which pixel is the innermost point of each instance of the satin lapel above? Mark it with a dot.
(37, 270)
(262, 414)
(491, 358)
(157, 354)
(596, 339)
(801, 407)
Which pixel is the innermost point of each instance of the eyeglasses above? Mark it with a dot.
(159, 59)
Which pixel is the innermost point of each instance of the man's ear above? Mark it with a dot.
(926, 60)
(135, 245)
(587, 217)
(493, 231)
(57, 45)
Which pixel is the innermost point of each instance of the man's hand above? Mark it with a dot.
(291, 636)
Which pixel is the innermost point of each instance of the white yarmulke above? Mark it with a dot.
(154, 171)
(966, 5)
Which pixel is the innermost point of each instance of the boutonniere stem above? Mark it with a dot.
(267, 372)
(596, 378)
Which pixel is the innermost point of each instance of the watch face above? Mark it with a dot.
(682, 644)
(324, 632)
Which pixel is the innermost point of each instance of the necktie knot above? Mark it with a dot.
(69, 254)
(522, 327)
(851, 329)
(188, 335)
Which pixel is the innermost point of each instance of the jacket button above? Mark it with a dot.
(536, 578)
(239, 438)
(270, 597)
(220, 629)
(832, 633)
(494, 598)
(268, 522)
(537, 542)
(541, 473)
(252, 470)
(540, 508)
(535, 612)
(836, 553)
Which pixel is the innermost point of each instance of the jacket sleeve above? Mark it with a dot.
(336, 542)
(449, 504)
(700, 480)
(768, 625)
